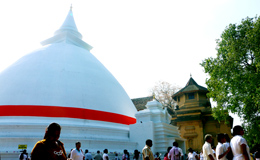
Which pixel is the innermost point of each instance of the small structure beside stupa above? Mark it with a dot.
(193, 116)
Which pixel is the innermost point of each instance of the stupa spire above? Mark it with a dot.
(69, 25)
(68, 33)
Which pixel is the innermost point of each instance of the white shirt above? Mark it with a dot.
(76, 155)
(105, 156)
(201, 156)
(207, 150)
(220, 151)
(226, 145)
(24, 156)
(192, 156)
(235, 145)
(180, 150)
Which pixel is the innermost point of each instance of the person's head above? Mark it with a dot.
(149, 142)
(227, 137)
(168, 149)
(116, 154)
(24, 151)
(98, 151)
(238, 130)
(52, 132)
(157, 154)
(175, 144)
(208, 138)
(105, 151)
(78, 145)
(86, 151)
(190, 150)
(221, 138)
(125, 151)
(136, 153)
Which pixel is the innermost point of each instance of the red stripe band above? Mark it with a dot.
(65, 112)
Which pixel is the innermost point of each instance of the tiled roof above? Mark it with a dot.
(141, 102)
(190, 87)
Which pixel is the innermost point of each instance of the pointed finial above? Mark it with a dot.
(71, 7)
(153, 96)
(190, 75)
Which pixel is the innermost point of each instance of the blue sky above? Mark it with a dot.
(140, 42)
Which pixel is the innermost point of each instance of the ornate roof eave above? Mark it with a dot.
(181, 93)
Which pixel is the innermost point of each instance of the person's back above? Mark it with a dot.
(174, 153)
(88, 156)
(98, 156)
(239, 145)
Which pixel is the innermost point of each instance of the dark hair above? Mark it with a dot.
(51, 129)
(236, 130)
(136, 154)
(105, 151)
(86, 151)
(175, 144)
(220, 136)
(125, 151)
(168, 149)
(227, 137)
(77, 143)
(148, 142)
(190, 150)
(98, 151)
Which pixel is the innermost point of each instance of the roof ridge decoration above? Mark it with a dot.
(68, 33)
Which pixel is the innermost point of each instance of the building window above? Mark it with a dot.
(191, 95)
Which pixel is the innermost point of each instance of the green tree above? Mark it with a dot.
(234, 81)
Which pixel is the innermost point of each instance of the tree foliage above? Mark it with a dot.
(234, 81)
(163, 92)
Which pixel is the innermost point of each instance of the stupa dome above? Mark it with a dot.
(63, 79)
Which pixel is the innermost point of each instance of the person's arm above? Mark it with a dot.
(107, 158)
(224, 154)
(211, 157)
(72, 154)
(169, 155)
(244, 151)
(38, 152)
(196, 156)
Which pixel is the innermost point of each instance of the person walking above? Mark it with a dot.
(105, 155)
(147, 152)
(77, 153)
(174, 153)
(23, 155)
(220, 149)
(207, 150)
(239, 145)
(50, 147)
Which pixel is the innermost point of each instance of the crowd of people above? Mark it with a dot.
(50, 148)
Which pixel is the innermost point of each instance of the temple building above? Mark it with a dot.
(193, 116)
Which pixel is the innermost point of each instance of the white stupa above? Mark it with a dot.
(63, 82)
